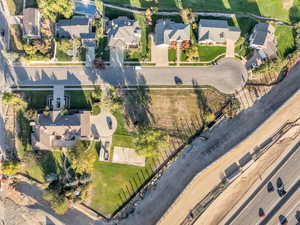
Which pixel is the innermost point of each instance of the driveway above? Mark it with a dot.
(159, 54)
(228, 76)
(116, 55)
(230, 46)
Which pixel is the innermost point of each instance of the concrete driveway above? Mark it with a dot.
(159, 54)
(116, 56)
(228, 76)
(230, 46)
(100, 125)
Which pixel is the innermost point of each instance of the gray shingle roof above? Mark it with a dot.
(217, 31)
(31, 22)
(76, 27)
(261, 31)
(123, 30)
(167, 31)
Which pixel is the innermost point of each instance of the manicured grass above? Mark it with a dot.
(123, 141)
(270, 8)
(79, 99)
(121, 127)
(172, 55)
(62, 57)
(38, 166)
(207, 53)
(108, 179)
(37, 99)
(285, 40)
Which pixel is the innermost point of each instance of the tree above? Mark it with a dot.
(149, 142)
(187, 16)
(31, 114)
(14, 99)
(99, 20)
(30, 49)
(52, 8)
(82, 156)
(232, 108)
(192, 53)
(10, 167)
(112, 101)
(59, 203)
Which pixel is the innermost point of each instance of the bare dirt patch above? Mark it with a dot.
(287, 4)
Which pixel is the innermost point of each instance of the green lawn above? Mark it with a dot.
(172, 55)
(79, 99)
(37, 99)
(62, 56)
(108, 179)
(270, 8)
(207, 53)
(38, 166)
(285, 40)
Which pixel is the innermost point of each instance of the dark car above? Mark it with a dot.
(283, 220)
(261, 212)
(2, 32)
(280, 187)
(270, 187)
(178, 81)
(297, 216)
(106, 153)
(109, 122)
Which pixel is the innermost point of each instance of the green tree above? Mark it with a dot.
(14, 99)
(149, 142)
(113, 101)
(59, 203)
(82, 156)
(30, 49)
(10, 167)
(52, 8)
(232, 108)
(99, 21)
(192, 53)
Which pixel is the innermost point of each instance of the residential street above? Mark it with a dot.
(228, 76)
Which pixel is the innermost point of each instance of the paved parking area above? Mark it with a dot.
(127, 156)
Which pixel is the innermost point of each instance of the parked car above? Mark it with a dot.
(109, 122)
(297, 216)
(280, 187)
(106, 151)
(270, 187)
(2, 32)
(178, 80)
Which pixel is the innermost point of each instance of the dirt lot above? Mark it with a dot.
(168, 107)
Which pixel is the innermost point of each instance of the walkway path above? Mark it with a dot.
(228, 76)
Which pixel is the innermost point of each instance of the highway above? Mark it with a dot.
(271, 202)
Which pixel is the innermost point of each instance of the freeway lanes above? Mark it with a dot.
(289, 173)
(289, 210)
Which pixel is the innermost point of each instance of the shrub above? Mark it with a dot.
(10, 167)
(96, 109)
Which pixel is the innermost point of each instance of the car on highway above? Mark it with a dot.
(270, 187)
(261, 212)
(280, 187)
(283, 220)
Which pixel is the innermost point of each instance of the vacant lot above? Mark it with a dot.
(272, 8)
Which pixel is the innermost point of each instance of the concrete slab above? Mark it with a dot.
(128, 156)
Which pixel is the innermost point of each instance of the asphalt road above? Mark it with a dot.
(289, 210)
(228, 76)
(289, 173)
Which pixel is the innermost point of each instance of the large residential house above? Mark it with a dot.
(58, 131)
(77, 27)
(167, 31)
(217, 31)
(123, 33)
(31, 23)
(264, 41)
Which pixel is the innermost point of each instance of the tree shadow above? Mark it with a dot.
(201, 99)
